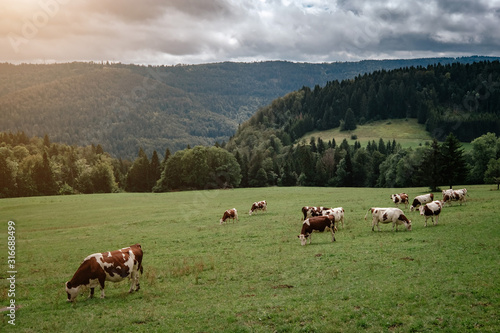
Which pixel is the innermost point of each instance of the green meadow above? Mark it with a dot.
(253, 275)
(407, 132)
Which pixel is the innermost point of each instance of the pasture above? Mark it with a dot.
(253, 275)
(407, 132)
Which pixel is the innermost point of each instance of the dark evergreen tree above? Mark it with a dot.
(44, 177)
(349, 121)
(155, 169)
(431, 168)
(138, 176)
(454, 166)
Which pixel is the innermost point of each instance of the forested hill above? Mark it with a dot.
(125, 107)
(463, 99)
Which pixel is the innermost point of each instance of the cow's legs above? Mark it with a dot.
(91, 293)
(134, 285)
(333, 235)
(101, 283)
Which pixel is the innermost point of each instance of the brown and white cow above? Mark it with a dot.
(454, 195)
(316, 223)
(388, 215)
(338, 214)
(258, 205)
(111, 266)
(311, 211)
(421, 200)
(401, 198)
(431, 210)
(229, 214)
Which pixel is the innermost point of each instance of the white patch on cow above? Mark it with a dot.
(307, 222)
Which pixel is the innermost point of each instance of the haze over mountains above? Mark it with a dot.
(125, 107)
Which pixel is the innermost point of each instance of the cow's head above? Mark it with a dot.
(422, 209)
(303, 238)
(71, 291)
(408, 225)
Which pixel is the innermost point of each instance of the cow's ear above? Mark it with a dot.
(68, 285)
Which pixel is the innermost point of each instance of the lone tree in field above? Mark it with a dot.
(349, 123)
(454, 165)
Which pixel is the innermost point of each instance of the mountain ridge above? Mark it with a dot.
(125, 107)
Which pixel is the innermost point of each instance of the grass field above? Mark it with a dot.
(253, 275)
(407, 132)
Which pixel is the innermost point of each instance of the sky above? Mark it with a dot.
(169, 32)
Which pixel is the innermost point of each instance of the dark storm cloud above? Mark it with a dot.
(194, 31)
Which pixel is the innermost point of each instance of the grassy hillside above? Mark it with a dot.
(253, 275)
(407, 132)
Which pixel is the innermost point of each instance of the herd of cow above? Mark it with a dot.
(117, 265)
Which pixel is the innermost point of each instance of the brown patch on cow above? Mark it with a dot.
(282, 286)
(402, 217)
(384, 217)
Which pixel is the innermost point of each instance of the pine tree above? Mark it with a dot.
(431, 167)
(349, 121)
(454, 164)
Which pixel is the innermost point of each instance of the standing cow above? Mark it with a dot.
(111, 266)
(454, 195)
(258, 205)
(388, 215)
(312, 211)
(431, 210)
(338, 214)
(229, 214)
(401, 198)
(316, 223)
(421, 200)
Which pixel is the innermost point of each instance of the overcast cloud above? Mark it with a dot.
(189, 31)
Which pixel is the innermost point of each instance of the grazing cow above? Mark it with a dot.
(229, 214)
(310, 211)
(316, 223)
(454, 195)
(401, 198)
(388, 215)
(111, 266)
(421, 200)
(338, 214)
(259, 205)
(431, 209)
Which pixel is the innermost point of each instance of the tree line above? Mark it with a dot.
(35, 166)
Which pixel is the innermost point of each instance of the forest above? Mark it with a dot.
(127, 107)
(456, 102)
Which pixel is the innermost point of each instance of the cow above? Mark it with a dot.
(229, 214)
(454, 195)
(431, 209)
(388, 215)
(338, 214)
(311, 211)
(111, 266)
(259, 205)
(421, 200)
(401, 198)
(319, 224)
